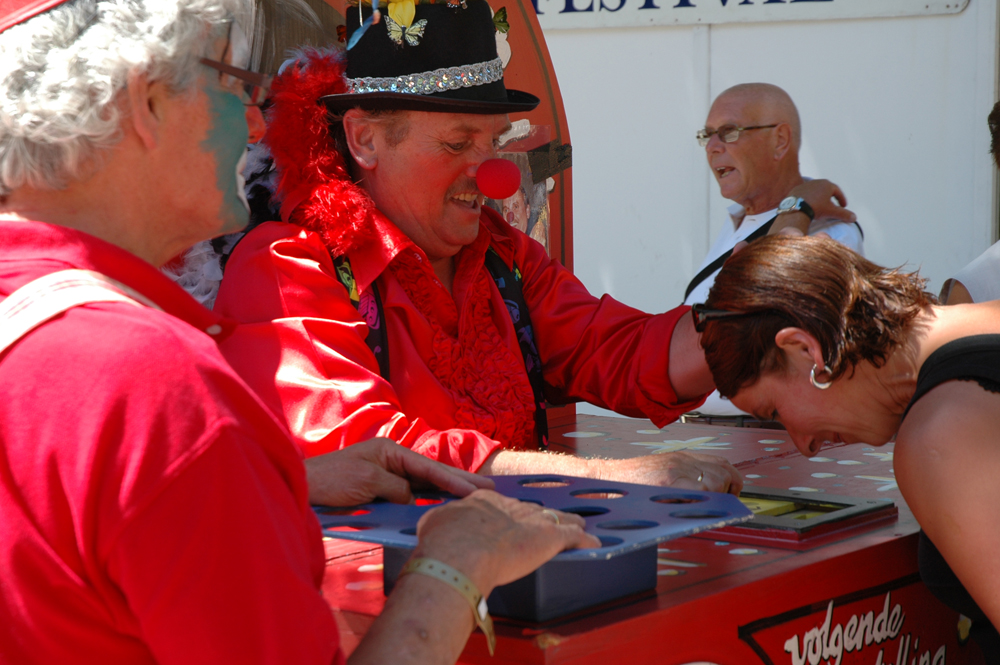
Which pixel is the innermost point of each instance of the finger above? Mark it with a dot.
(705, 476)
(474, 479)
(837, 212)
(735, 480)
(458, 482)
(560, 518)
(719, 474)
(389, 486)
(725, 479)
(736, 484)
(528, 511)
(574, 537)
(690, 484)
(485, 502)
(844, 214)
(840, 196)
(419, 469)
(715, 481)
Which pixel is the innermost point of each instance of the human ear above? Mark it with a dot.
(145, 103)
(800, 347)
(783, 140)
(360, 134)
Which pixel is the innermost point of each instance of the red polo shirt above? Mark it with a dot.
(150, 509)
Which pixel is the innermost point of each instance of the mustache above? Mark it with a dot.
(462, 186)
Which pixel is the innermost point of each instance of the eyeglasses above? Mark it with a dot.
(254, 85)
(703, 315)
(728, 133)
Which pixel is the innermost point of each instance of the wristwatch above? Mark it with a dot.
(796, 204)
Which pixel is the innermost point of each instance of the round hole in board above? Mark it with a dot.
(543, 481)
(696, 514)
(534, 501)
(350, 526)
(585, 511)
(677, 498)
(627, 525)
(599, 493)
(329, 510)
(428, 500)
(409, 531)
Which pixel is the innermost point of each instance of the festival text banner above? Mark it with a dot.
(555, 14)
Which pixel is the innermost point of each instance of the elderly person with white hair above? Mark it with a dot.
(151, 510)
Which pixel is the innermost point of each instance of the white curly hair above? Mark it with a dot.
(60, 73)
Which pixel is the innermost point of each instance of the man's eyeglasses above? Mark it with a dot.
(703, 315)
(253, 85)
(728, 133)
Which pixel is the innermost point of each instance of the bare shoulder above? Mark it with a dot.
(950, 409)
(957, 421)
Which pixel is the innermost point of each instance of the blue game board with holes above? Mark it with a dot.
(624, 516)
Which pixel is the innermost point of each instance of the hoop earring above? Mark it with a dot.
(820, 384)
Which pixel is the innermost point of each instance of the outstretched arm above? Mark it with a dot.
(603, 351)
(682, 469)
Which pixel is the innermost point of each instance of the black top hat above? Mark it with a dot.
(445, 60)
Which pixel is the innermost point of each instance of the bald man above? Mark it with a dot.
(751, 138)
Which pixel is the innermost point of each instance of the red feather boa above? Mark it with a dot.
(314, 186)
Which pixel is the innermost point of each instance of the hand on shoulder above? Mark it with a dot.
(825, 198)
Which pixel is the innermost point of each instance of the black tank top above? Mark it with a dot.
(975, 358)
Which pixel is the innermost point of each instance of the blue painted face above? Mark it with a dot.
(227, 141)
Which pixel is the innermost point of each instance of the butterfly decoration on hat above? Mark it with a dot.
(427, 55)
(399, 22)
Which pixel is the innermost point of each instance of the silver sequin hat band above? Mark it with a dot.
(427, 83)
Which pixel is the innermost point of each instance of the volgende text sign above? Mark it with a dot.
(554, 14)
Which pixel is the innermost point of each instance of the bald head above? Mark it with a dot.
(766, 104)
(761, 165)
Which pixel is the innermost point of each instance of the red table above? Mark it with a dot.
(853, 597)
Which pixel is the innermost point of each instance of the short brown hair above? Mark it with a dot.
(858, 311)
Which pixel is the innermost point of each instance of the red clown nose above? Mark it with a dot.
(498, 178)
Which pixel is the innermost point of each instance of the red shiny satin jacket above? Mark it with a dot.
(457, 389)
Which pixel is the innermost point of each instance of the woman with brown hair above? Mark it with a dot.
(804, 331)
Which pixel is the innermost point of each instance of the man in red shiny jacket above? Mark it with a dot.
(388, 193)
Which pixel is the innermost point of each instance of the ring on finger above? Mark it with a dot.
(553, 514)
(701, 477)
